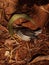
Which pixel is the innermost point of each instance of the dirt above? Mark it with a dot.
(15, 51)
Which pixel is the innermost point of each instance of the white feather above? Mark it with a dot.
(23, 37)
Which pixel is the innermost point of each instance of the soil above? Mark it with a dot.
(15, 51)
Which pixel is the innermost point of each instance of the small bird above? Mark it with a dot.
(24, 32)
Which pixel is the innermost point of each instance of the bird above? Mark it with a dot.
(25, 33)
